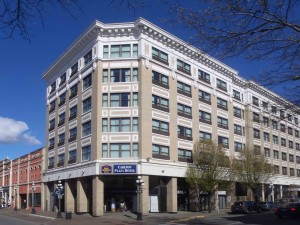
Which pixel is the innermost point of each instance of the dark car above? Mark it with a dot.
(288, 210)
(268, 206)
(246, 207)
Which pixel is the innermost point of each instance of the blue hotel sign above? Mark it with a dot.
(119, 169)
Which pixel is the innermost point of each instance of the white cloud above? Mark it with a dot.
(12, 131)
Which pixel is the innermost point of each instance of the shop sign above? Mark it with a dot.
(106, 169)
(127, 168)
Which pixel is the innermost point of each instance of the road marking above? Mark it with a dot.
(47, 217)
(185, 219)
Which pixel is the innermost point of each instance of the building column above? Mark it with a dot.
(280, 188)
(69, 197)
(263, 197)
(98, 196)
(172, 195)
(82, 203)
(46, 197)
(145, 196)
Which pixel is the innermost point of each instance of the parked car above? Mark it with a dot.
(288, 210)
(246, 207)
(268, 206)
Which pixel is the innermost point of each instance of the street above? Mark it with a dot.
(9, 217)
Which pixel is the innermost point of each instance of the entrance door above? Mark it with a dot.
(222, 201)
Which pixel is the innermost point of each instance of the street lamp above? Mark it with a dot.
(33, 189)
(16, 189)
(139, 191)
(271, 190)
(59, 189)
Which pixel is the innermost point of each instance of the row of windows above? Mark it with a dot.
(87, 59)
(120, 51)
(274, 110)
(120, 75)
(284, 171)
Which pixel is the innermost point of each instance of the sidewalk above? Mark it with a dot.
(118, 218)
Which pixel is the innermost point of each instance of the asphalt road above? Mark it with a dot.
(7, 220)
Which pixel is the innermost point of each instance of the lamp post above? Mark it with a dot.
(16, 189)
(33, 189)
(139, 191)
(271, 190)
(59, 189)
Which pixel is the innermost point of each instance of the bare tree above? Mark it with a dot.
(209, 170)
(252, 169)
(16, 16)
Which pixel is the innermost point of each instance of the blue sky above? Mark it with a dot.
(22, 89)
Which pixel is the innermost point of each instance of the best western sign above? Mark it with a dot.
(118, 169)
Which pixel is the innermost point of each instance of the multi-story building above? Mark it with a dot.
(131, 99)
(19, 175)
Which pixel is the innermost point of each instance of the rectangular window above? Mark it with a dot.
(62, 79)
(297, 146)
(276, 169)
(104, 76)
(204, 117)
(292, 172)
(204, 136)
(298, 159)
(87, 82)
(86, 153)
(273, 109)
(257, 150)
(183, 67)
(160, 79)
(275, 140)
(282, 128)
(298, 172)
(135, 150)
(51, 124)
(105, 51)
(265, 106)
(256, 117)
(291, 144)
(87, 105)
(283, 142)
(290, 131)
(61, 160)
(184, 132)
(135, 99)
(61, 139)
(296, 120)
(120, 100)
(237, 95)
(120, 125)
(104, 125)
(274, 125)
(160, 103)
(135, 50)
(104, 100)
(204, 97)
(53, 87)
(160, 56)
(51, 163)
(237, 112)
(73, 113)
(266, 137)
(291, 158)
(135, 124)
(238, 146)
(184, 89)
(184, 110)
(160, 151)
(52, 106)
(88, 58)
(135, 75)
(160, 127)
(297, 133)
(222, 104)
(104, 151)
(281, 114)
(86, 129)
(74, 69)
(72, 156)
(283, 156)
(224, 141)
(256, 133)
(204, 76)
(255, 101)
(221, 85)
(120, 75)
(120, 51)
(184, 155)
(120, 150)
(237, 129)
(267, 153)
(73, 91)
(266, 121)
(289, 116)
(284, 171)
(275, 154)
(51, 143)
(73, 134)
(62, 99)
(222, 122)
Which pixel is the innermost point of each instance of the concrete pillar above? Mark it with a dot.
(280, 187)
(145, 196)
(98, 196)
(172, 195)
(263, 192)
(46, 197)
(69, 197)
(82, 201)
